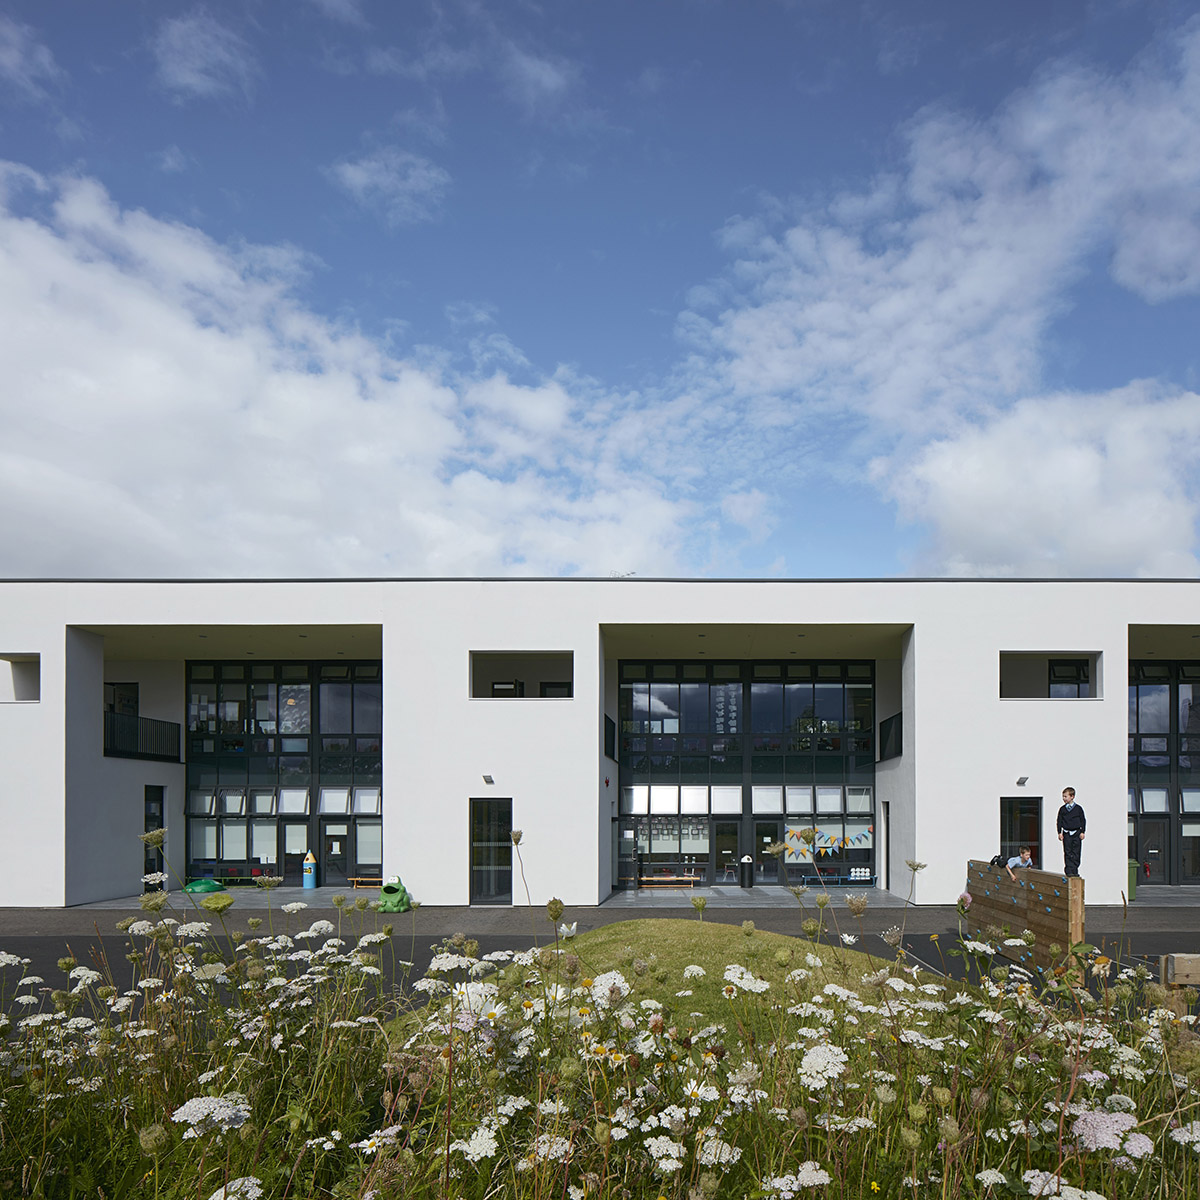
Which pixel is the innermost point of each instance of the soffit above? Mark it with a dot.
(750, 641)
(264, 642)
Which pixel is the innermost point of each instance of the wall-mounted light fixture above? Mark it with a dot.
(488, 779)
(1023, 781)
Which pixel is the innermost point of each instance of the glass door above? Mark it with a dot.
(153, 798)
(1190, 846)
(491, 851)
(766, 866)
(1152, 835)
(293, 846)
(335, 852)
(723, 857)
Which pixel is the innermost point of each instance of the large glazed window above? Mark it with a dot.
(759, 724)
(1164, 769)
(759, 748)
(1037, 675)
(522, 675)
(271, 749)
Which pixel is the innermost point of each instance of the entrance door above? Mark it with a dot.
(293, 846)
(766, 866)
(153, 797)
(491, 851)
(723, 860)
(335, 852)
(1152, 834)
(883, 846)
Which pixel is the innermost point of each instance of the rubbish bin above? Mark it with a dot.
(746, 871)
(1134, 868)
(310, 871)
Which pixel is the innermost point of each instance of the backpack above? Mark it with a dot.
(998, 860)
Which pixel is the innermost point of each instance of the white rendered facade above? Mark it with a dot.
(71, 813)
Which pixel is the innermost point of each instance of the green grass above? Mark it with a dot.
(666, 946)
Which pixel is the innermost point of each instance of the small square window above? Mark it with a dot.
(858, 800)
(726, 799)
(202, 803)
(1154, 800)
(765, 799)
(829, 799)
(799, 799)
(262, 801)
(233, 803)
(335, 800)
(367, 800)
(664, 798)
(635, 800)
(293, 801)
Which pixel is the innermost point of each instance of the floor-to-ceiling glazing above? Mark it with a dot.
(719, 761)
(284, 758)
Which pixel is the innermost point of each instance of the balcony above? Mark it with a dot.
(140, 737)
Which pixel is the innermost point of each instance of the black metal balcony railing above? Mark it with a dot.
(140, 737)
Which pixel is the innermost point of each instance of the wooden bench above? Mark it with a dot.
(357, 881)
(680, 881)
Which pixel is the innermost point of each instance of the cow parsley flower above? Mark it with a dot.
(714, 1152)
(246, 1188)
(481, 1144)
(1187, 1135)
(1102, 1130)
(667, 1154)
(744, 980)
(213, 1114)
(821, 1065)
(807, 1175)
(609, 989)
(1137, 1145)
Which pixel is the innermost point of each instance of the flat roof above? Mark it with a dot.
(632, 579)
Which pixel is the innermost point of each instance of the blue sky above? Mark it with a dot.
(811, 288)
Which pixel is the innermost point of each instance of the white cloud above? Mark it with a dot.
(401, 187)
(184, 414)
(26, 65)
(199, 58)
(1064, 485)
(535, 80)
(751, 510)
(349, 12)
(911, 319)
(172, 161)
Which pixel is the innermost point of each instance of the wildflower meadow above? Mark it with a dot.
(676, 1059)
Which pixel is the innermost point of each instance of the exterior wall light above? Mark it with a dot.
(488, 779)
(1023, 781)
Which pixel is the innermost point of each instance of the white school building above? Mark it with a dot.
(633, 730)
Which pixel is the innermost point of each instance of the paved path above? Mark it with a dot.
(1162, 921)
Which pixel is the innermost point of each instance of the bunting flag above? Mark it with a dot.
(823, 844)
